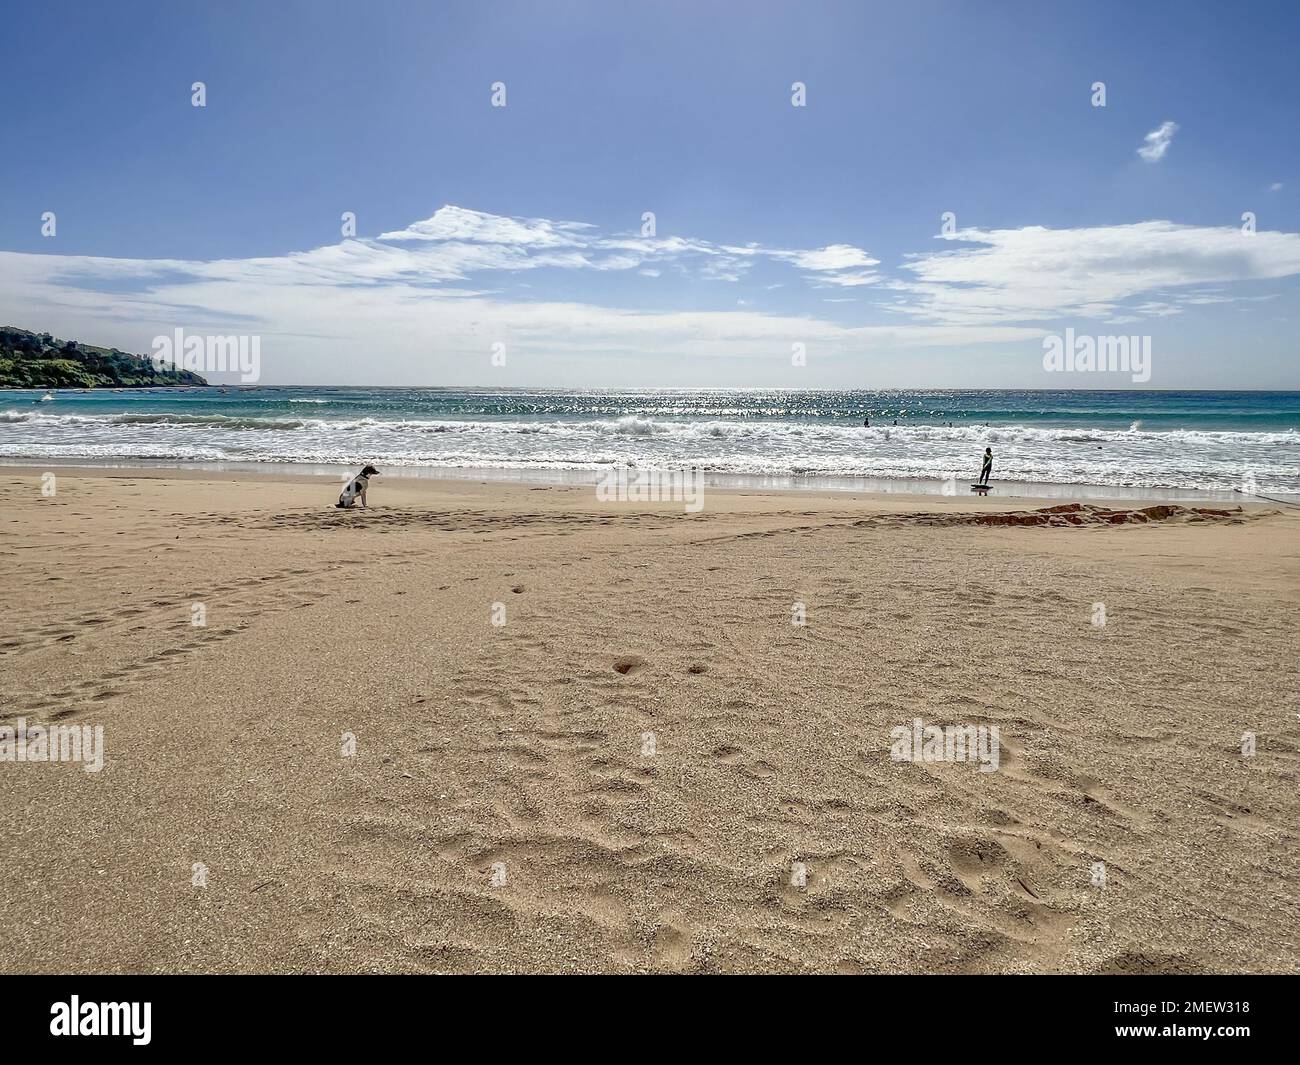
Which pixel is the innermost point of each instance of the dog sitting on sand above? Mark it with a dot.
(356, 489)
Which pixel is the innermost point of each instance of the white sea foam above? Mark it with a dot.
(1175, 458)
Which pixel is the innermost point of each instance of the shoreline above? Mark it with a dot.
(238, 386)
(1020, 491)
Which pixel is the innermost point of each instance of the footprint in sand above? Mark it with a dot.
(671, 947)
(735, 756)
(629, 665)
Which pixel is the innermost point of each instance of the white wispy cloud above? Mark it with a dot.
(1036, 274)
(457, 224)
(431, 299)
(835, 264)
(439, 254)
(458, 241)
(1156, 143)
(428, 300)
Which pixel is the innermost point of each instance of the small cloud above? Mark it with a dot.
(848, 279)
(835, 264)
(1275, 187)
(1156, 143)
(1156, 309)
(833, 257)
(649, 272)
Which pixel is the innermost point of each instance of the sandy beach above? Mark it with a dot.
(510, 728)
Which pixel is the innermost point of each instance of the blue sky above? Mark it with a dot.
(775, 225)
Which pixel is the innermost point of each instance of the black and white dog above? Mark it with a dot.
(356, 488)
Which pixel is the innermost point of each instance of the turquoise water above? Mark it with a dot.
(1187, 440)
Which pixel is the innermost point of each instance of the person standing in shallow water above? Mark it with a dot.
(986, 470)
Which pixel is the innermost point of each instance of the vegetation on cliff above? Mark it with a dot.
(38, 360)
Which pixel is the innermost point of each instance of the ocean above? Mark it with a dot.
(1207, 444)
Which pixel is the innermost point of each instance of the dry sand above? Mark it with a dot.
(520, 749)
